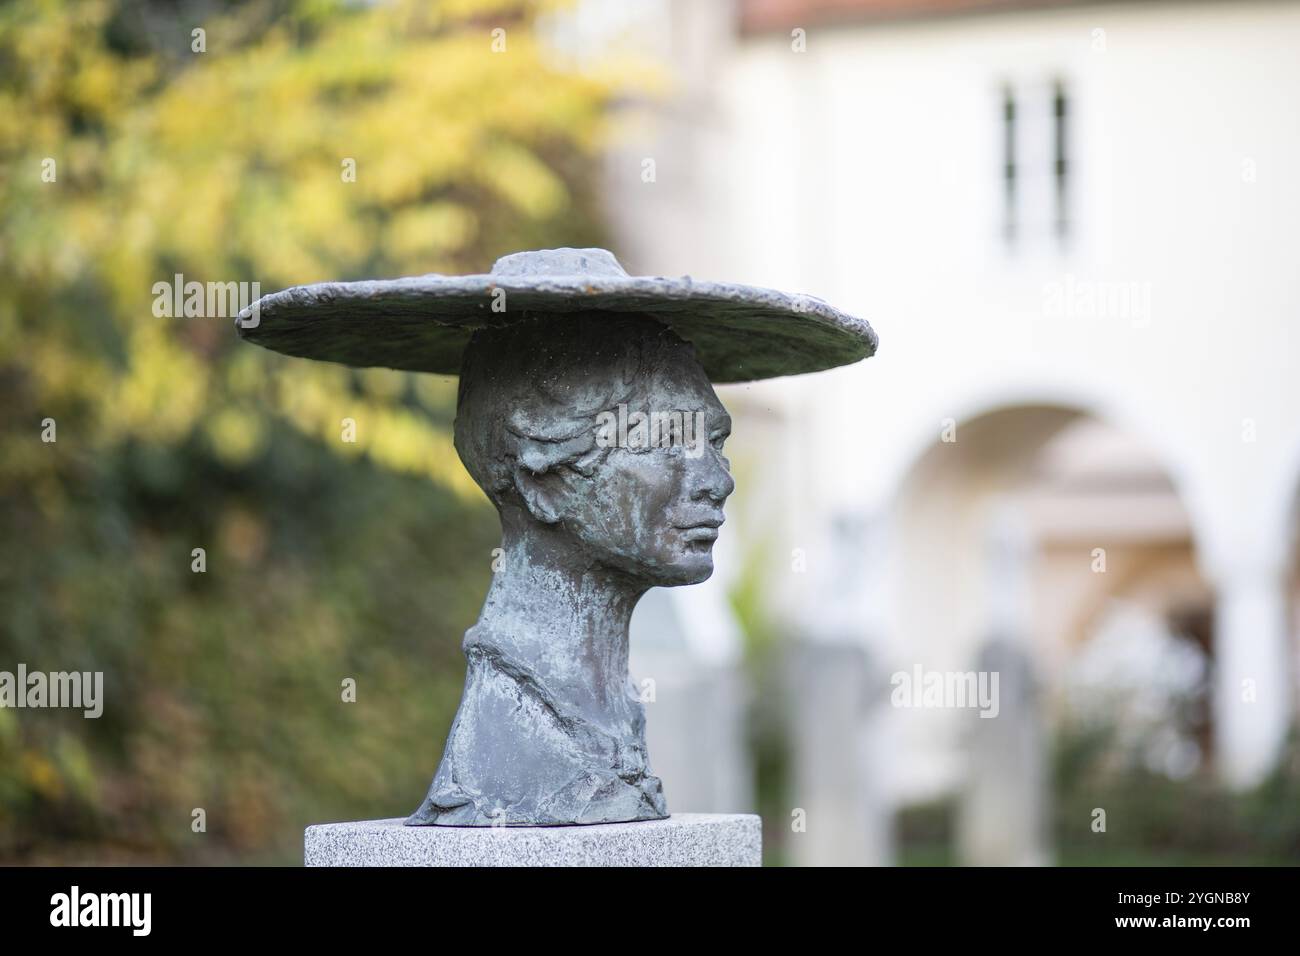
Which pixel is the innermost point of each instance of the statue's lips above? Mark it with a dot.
(706, 530)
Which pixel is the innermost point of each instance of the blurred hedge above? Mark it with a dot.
(1151, 820)
(325, 559)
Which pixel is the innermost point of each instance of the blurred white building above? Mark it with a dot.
(1074, 228)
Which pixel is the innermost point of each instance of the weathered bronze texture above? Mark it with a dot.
(587, 415)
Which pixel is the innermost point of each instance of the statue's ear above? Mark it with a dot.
(545, 493)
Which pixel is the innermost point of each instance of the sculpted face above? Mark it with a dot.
(653, 508)
(599, 439)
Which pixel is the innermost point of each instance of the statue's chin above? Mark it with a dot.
(665, 568)
(694, 570)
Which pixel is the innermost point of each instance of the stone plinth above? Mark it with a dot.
(684, 839)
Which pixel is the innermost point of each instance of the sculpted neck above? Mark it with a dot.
(562, 616)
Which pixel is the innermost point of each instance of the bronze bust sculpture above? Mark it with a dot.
(587, 415)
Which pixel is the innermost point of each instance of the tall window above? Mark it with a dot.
(1060, 165)
(1035, 163)
(1009, 163)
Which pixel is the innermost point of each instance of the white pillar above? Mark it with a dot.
(838, 699)
(1252, 692)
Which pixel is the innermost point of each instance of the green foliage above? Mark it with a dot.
(1153, 820)
(325, 559)
(1150, 819)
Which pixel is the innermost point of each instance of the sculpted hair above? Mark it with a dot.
(530, 392)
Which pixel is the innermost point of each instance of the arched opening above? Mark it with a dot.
(1044, 543)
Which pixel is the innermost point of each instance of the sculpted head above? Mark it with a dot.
(602, 436)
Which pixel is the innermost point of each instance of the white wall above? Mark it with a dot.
(866, 171)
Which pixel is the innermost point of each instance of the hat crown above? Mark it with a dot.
(560, 262)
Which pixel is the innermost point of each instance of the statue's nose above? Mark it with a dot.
(712, 478)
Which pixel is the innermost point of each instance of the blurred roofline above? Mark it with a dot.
(756, 17)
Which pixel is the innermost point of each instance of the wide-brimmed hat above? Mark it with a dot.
(423, 323)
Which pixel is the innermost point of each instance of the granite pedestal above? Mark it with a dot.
(684, 839)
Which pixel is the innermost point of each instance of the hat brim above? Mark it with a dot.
(423, 323)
